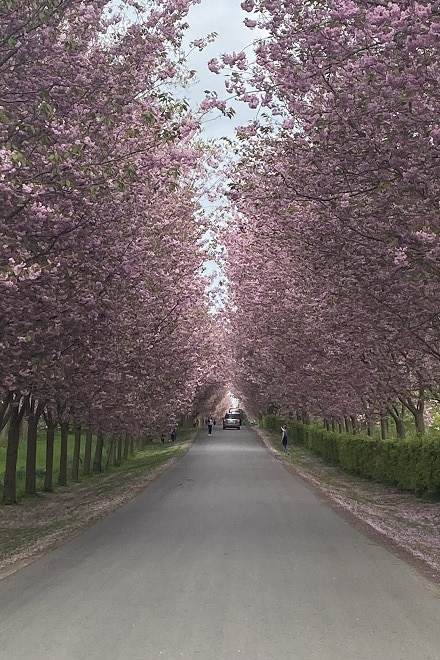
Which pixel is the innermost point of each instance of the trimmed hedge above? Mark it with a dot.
(412, 464)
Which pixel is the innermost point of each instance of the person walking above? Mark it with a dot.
(210, 423)
(284, 439)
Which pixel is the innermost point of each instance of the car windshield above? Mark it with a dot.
(233, 415)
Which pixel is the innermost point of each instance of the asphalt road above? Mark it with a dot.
(225, 556)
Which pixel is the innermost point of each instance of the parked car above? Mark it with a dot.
(232, 421)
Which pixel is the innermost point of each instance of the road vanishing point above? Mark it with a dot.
(225, 556)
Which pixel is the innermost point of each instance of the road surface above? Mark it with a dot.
(226, 556)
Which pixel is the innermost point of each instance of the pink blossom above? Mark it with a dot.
(248, 5)
(214, 66)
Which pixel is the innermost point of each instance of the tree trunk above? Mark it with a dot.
(417, 409)
(5, 411)
(384, 426)
(62, 476)
(119, 456)
(88, 453)
(305, 417)
(347, 423)
(76, 454)
(126, 446)
(10, 479)
(369, 424)
(419, 419)
(111, 455)
(31, 448)
(398, 417)
(50, 441)
(400, 427)
(97, 460)
(354, 424)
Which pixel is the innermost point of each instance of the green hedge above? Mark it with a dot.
(412, 464)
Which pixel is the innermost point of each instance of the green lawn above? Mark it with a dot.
(41, 458)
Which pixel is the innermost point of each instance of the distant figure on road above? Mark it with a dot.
(284, 439)
(173, 435)
(210, 423)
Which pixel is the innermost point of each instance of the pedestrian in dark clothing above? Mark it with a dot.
(173, 435)
(162, 437)
(210, 423)
(284, 439)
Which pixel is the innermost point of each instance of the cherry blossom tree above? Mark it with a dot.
(102, 296)
(338, 204)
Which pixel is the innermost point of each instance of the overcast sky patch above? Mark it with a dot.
(225, 17)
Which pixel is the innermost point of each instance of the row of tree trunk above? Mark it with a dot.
(397, 412)
(13, 416)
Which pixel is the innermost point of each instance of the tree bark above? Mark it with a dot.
(62, 476)
(50, 442)
(35, 410)
(369, 424)
(126, 446)
(419, 420)
(5, 411)
(10, 478)
(87, 453)
(119, 456)
(97, 459)
(76, 454)
(384, 426)
(111, 456)
(354, 424)
(400, 428)
(397, 416)
(417, 409)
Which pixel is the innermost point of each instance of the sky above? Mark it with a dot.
(226, 18)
